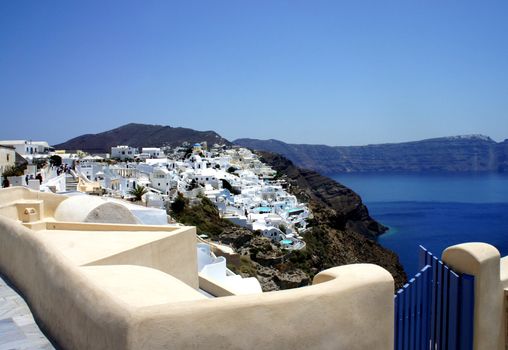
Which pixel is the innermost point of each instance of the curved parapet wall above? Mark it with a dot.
(75, 313)
(11, 195)
(351, 308)
(93, 210)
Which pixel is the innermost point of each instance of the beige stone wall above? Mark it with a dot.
(77, 314)
(10, 196)
(175, 255)
(350, 307)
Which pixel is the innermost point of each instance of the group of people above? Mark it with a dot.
(64, 168)
(31, 177)
(6, 183)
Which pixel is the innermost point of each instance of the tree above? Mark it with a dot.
(138, 192)
(39, 162)
(178, 204)
(55, 160)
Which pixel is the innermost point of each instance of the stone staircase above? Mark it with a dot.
(71, 183)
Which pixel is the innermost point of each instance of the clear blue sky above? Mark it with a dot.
(333, 72)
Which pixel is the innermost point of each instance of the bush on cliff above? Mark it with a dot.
(204, 215)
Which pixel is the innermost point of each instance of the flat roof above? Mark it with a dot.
(85, 247)
(8, 147)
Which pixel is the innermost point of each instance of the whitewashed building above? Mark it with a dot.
(163, 180)
(152, 152)
(124, 152)
(28, 147)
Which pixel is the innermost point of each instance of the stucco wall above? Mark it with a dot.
(175, 255)
(11, 195)
(77, 314)
(351, 309)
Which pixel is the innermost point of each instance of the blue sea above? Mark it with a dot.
(435, 211)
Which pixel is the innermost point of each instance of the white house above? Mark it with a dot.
(89, 169)
(197, 162)
(27, 147)
(267, 230)
(124, 152)
(152, 152)
(163, 180)
(207, 176)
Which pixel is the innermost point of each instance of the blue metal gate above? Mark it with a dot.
(434, 310)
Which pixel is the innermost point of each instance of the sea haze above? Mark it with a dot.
(435, 211)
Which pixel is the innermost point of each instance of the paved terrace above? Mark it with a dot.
(18, 329)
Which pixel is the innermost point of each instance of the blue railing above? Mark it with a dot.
(434, 310)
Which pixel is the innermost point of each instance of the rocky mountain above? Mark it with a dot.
(473, 153)
(138, 135)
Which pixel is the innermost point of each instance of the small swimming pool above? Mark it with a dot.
(286, 241)
(263, 209)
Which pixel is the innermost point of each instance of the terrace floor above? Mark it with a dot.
(18, 329)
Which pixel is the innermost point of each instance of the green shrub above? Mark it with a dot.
(14, 171)
(55, 160)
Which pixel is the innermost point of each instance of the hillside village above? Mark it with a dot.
(244, 190)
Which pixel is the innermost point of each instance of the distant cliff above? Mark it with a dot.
(140, 135)
(474, 153)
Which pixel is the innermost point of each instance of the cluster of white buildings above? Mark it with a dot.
(234, 179)
(243, 188)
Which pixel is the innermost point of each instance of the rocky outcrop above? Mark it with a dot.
(342, 231)
(277, 268)
(475, 153)
(346, 210)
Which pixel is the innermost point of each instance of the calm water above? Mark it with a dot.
(435, 211)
